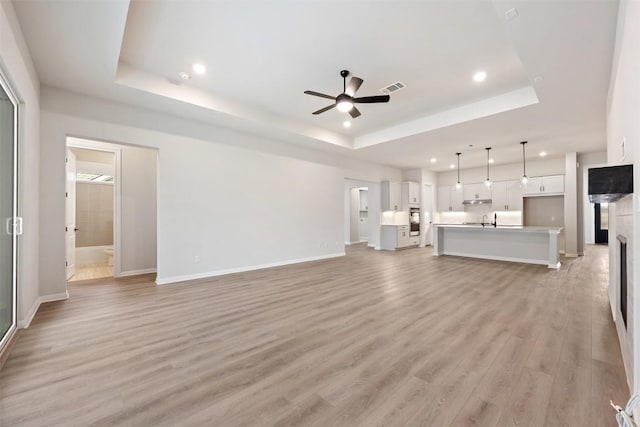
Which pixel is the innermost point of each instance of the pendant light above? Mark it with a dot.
(524, 178)
(458, 185)
(488, 181)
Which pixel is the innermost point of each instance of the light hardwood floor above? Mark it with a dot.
(373, 338)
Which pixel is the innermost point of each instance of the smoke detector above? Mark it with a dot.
(392, 88)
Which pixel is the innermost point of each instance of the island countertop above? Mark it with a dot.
(522, 228)
(528, 244)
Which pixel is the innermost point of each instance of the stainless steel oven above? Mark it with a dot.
(414, 221)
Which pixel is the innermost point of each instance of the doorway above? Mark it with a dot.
(115, 228)
(91, 179)
(601, 220)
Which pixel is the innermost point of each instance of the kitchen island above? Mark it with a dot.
(532, 245)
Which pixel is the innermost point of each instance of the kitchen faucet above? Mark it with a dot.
(485, 217)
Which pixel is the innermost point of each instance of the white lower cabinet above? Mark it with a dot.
(395, 237)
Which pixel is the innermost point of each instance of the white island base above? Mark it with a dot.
(532, 245)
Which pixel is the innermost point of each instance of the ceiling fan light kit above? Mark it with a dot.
(345, 101)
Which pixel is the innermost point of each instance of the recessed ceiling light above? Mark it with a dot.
(480, 76)
(452, 166)
(491, 160)
(543, 153)
(433, 160)
(199, 69)
(346, 124)
(184, 76)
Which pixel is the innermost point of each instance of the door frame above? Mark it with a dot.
(4, 83)
(94, 145)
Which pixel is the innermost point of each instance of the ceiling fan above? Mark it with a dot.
(345, 101)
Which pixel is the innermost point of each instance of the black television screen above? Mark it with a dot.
(610, 183)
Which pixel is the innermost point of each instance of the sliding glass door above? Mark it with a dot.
(8, 186)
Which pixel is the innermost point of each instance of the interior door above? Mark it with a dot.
(601, 217)
(70, 214)
(8, 211)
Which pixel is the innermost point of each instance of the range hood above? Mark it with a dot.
(609, 184)
(477, 202)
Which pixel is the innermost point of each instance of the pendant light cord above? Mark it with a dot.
(524, 161)
(488, 148)
(458, 154)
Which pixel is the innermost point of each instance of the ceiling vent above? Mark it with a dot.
(392, 88)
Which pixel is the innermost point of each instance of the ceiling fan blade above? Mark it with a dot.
(321, 95)
(353, 86)
(372, 99)
(354, 112)
(322, 110)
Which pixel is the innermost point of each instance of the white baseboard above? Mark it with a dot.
(55, 297)
(571, 255)
(24, 323)
(175, 279)
(137, 272)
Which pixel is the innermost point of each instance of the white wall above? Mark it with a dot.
(623, 112)
(571, 205)
(139, 185)
(234, 201)
(17, 67)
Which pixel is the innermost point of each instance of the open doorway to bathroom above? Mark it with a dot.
(111, 209)
(90, 195)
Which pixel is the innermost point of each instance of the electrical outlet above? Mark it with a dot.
(196, 258)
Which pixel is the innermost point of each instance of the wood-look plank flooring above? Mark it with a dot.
(370, 339)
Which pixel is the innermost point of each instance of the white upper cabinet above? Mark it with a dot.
(545, 185)
(410, 194)
(506, 196)
(391, 197)
(449, 199)
(476, 191)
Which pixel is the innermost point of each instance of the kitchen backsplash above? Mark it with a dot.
(474, 213)
(395, 218)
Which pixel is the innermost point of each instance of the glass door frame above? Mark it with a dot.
(4, 340)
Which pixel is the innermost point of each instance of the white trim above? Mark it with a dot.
(23, 324)
(137, 272)
(568, 255)
(55, 297)
(174, 279)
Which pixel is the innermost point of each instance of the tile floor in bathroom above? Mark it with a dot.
(93, 271)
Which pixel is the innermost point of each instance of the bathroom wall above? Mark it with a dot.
(94, 214)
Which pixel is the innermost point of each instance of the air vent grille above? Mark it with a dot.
(392, 88)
